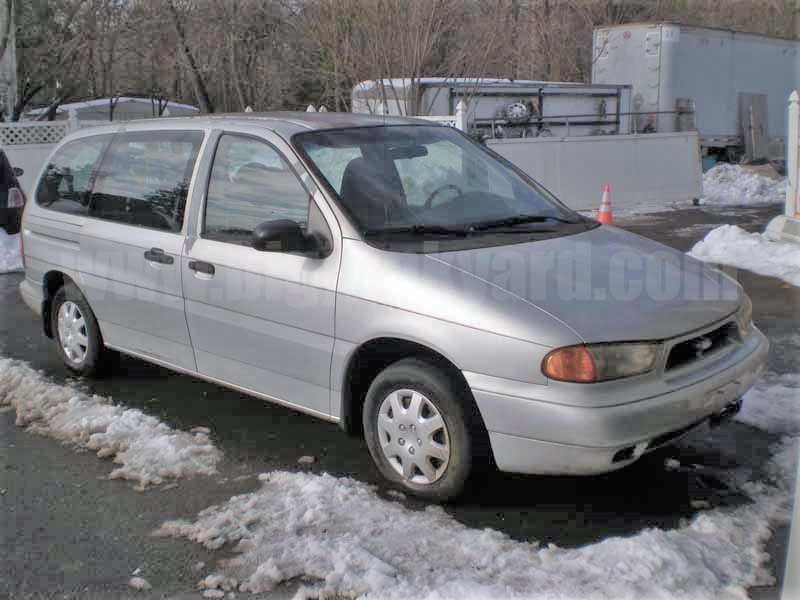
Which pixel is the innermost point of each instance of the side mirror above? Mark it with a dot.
(285, 235)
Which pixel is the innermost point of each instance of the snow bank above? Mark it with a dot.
(10, 257)
(726, 184)
(732, 245)
(146, 450)
(774, 405)
(339, 533)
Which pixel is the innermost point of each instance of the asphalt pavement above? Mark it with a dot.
(67, 532)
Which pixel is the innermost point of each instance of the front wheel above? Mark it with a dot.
(76, 333)
(417, 430)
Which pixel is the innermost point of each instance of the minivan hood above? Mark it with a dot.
(606, 284)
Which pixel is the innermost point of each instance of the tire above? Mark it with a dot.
(419, 391)
(78, 330)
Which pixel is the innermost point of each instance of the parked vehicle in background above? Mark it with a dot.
(503, 107)
(346, 266)
(12, 200)
(730, 86)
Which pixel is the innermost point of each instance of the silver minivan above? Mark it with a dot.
(390, 275)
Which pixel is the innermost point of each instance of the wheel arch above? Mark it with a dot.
(371, 357)
(53, 281)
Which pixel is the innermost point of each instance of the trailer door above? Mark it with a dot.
(631, 56)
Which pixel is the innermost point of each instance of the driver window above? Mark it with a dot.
(250, 183)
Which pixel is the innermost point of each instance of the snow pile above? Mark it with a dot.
(726, 184)
(732, 245)
(339, 533)
(774, 405)
(146, 450)
(10, 257)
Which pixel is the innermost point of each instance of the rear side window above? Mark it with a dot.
(66, 183)
(144, 178)
(250, 183)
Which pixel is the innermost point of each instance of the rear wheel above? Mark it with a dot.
(76, 333)
(417, 430)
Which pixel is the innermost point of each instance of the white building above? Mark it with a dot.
(124, 109)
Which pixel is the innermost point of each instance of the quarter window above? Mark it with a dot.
(250, 184)
(66, 183)
(144, 178)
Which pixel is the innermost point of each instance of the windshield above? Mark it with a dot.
(428, 180)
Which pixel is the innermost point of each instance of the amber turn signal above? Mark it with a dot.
(572, 363)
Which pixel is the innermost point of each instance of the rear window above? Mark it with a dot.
(144, 178)
(66, 182)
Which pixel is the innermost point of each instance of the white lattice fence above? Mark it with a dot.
(18, 134)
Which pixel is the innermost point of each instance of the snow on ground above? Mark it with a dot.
(732, 245)
(147, 450)
(774, 407)
(10, 258)
(724, 185)
(339, 533)
(737, 185)
(693, 231)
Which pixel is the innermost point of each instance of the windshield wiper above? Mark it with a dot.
(418, 230)
(518, 220)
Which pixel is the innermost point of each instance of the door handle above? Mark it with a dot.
(201, 267)
(157, 255)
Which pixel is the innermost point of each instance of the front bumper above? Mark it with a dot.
(544, 437)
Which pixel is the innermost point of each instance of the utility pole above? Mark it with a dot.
(8, 59)
(797, 19)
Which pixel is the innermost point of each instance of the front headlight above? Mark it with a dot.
(599, 362)
(744, 316)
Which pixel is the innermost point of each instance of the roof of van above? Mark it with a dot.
(286, 123)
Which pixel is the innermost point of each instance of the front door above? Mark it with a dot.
(262, 321)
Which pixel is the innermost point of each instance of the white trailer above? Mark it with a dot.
(503, 107)
(572, 137)
(735, 84)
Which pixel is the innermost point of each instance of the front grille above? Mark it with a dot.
(702, 346)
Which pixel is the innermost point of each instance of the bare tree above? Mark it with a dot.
(49, 51)
(225, 54)
(195, 76)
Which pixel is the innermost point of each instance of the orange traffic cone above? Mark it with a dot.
(604, 214)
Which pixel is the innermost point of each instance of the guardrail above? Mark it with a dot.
(589, 119)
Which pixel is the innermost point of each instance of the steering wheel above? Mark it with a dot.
(439, 190)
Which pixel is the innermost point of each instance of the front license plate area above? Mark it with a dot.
(718, 399)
